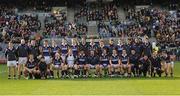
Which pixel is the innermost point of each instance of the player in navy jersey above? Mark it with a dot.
(92, 46)
(125, 65)
(104, 61)
(101, 47)
(120, 46)
(134, 61)
(64, 49)
(56, 66)
(42, 66)
(46, 52)
(22, 53)
(145, 65)
(82, 61)
(110, 46)
(136, 46)
(93, 61)
(128, 46)
(155, 65)
(83, 46)
(10, 55)
(147, 48)
(34, 49)
(30, 68)
(114, 63)
(54, 48)
(74, 47)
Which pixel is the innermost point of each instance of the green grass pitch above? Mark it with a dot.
(92, 86)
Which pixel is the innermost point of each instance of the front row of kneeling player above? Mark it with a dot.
(104, 65)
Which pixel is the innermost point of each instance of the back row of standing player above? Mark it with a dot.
(135, 56)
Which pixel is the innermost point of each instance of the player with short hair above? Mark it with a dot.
(134, 61)
(114, 63)
(74, 47)
(104, 62)
(64, 49)
(125, 65)
(10, 55)
(22, 53)
(93, 61)
(30, 68)
(43, 68)
(56, 65)
(46, 52)
(82, 61)
(54, 48)
(145, 65)
(70, 61)
(155, 65)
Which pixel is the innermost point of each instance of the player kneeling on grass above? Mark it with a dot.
(82, 61)
(155, 65)
(104, 62)
(30, 68)
(10, 54)
(133, 59)
(114, 63)
(56, 66)
(125, 65)
(145, 65)
(43, 68)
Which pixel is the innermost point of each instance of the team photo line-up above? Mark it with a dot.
(128, 58)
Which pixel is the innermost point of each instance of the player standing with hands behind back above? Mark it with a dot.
(22, 53)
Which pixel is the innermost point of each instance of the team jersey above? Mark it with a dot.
(137, 48)
(64, 49)
(147, 49)
(31, 64)
(22, 50)
(46, 51)
(128, 48)
(92, 47)
(133, 59)
(115, 59)
(74, 50)
(100, 49)
(10, 54)
(110, 48)
(104, 59)
(57, 61)
(34, 50)
(42, 66)
(70, 59)
(93, 60)
(119, 48)
(124, 59)
(144, 62)
(155, 61)
(82, 59)
(55, 49)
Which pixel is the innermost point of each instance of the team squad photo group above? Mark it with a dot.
(132, 57)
